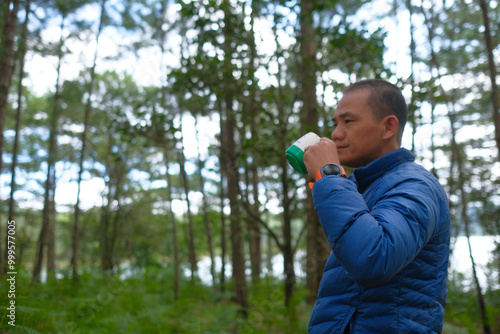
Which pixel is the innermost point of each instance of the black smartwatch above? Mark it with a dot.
(332, 169)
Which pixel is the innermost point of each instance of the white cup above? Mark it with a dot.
(295, 153)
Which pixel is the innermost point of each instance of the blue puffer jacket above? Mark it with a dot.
(388, 226)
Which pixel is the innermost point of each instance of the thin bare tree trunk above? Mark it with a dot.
(412, 108)
(190, 236)
(222, 279)
(235, 218)
(252, 106)
(433, 141)
(206, 218)
(269, 257)
(51, 235)
(88, 109)
(50, 181)
(6, 66)
(222, 198)
(110, 216)
(253, 227)
(287, 234)
(222, 215)
(316, 251)
(229, 149)
(116, 222)
(174, 229)
(104, 229)
(228, 144)
(167, 145)
(287, 198)
(22, 56)
(493, 73)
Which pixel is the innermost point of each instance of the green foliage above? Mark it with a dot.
(268, 314)
(355, 51)
(144, 303)
(462, 309)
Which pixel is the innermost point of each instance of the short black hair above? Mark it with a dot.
(385, 99)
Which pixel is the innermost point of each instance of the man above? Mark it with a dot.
(387, 223)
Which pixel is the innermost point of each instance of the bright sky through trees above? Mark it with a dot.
(145, 66)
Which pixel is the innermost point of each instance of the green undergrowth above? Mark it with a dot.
(145, 303)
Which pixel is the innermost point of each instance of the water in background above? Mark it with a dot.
(482, 250)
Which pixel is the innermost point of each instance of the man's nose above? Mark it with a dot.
(338, 133)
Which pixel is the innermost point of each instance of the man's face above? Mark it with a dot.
(357, 134)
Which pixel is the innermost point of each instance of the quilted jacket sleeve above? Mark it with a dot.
(375, 244)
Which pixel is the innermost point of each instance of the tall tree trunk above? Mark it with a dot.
(412, 108)
(88, 108)
(316, 240)
(236, 237)
(433, 141)
(104, 229)
(493, 74)
(252, 107)
(6, 66)
(167, 145)
(51, 234)
(253, 227)
(222, 279)
(269, 254)
(287, 233)
(223, 183)
(229, 150)
(174, 227)
(119, 214)
(190, 237)
(111, 219)
(50, 181)
(206, 218)
(110, 216)
(255, 234)
(460, 166)
(286, 246)
(21, 57)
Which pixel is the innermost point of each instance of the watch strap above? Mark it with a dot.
(318, 176)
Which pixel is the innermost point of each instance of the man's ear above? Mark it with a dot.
(391, 124)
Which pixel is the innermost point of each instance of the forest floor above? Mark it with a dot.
(145, 303)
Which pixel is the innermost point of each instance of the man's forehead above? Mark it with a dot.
(345, 107)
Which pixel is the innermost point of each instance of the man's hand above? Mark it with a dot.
(322, 153)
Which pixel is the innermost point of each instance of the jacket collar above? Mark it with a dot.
(365, 175)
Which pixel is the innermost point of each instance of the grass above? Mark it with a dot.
(144, 303)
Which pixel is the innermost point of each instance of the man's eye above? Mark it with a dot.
(347, 121)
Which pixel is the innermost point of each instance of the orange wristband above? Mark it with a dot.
(319, 176)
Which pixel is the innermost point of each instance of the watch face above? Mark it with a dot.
(331, 169)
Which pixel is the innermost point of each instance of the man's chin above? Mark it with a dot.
(348, 163)
(344, 161)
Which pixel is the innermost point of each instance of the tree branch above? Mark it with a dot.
(263, 223)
